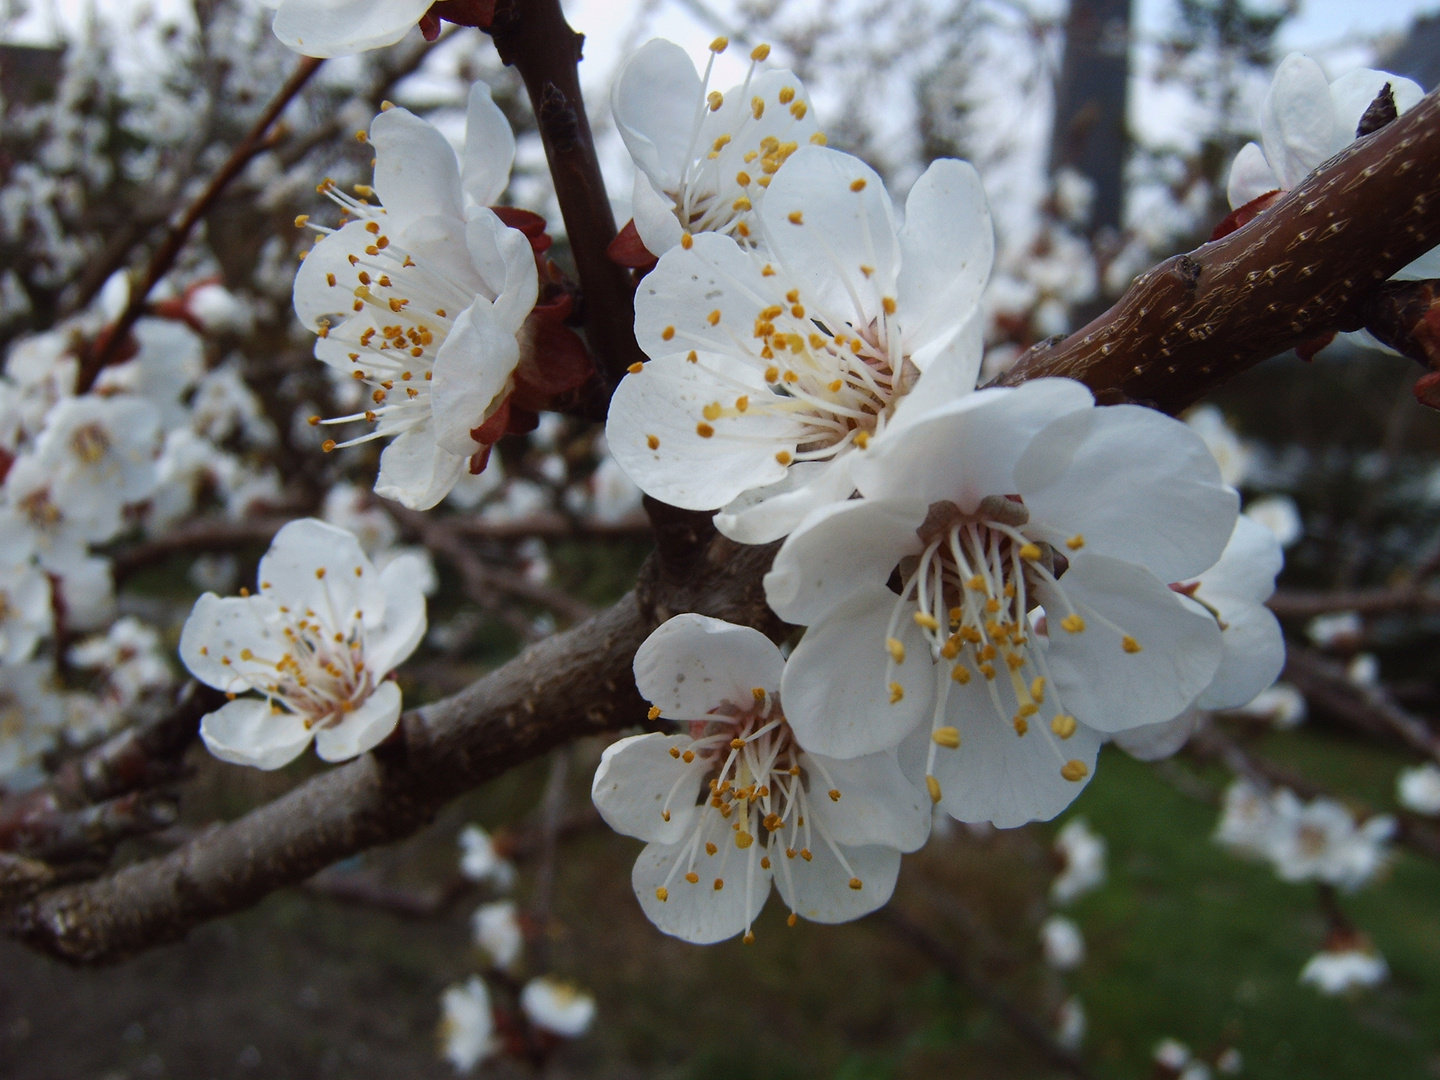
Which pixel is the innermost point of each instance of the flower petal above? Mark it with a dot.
(951, 375)
(506, 260)
(1247, 567)
(415, 472)
(363, 729)
(1095, 677)
(947, 248)
(216, 632)
(1155, 742)
(877, 804)
(656, 103)
(312, 565)
(1252, 654)
(654, 215)
(654, 429)
(1250, 176)
(247, 731)
(343, 27)
(837, 685)
(391, 643)
(819, 888)
(416, 172)
(1136, 484)
(472, 371)
(706, 297)
(635, 778)
(761, 515)
(1353, 92)
(1297, 120)
(692, 664)
(698, 912)
(489, 148)
(840, 550)
(825, 234)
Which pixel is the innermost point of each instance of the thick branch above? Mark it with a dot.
(1308, 265)
(533, 36)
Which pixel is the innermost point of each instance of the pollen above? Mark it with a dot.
(926, 620)
(1021, 725)
(1076, 542)
(674, 750)
(1063, 725)
(896, 648)
(716, 99)
(742, 403)
(856, 884)
(796, 217)
(704, 430)
(897, 693)
(1073, 623)
(1074, 771)
(693, 878)
(712, 411)
(719, 45)
(743, 179)
(888, 303)
(652, 442)
(1037, 688)
(1030, 553)
(858, 184)
(988, 670)
(772, 374)
(742, 203)
(667, 333)
(783, 457)
(301, 220)
(1129, 644)
(710, 848)
(327, 445)
(760, 52)
(960, 673)
(693, 357)
(799, 109)
(688, 756)
(687, 241)
(662, 894)
(933, 786)
(946, 736)
(713, 318)
(757, 107)
(743, 840)
(818, 139)
(636, 367)
(719, 883)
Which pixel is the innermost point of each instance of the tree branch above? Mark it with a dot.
(1308, 265)
(1297, 604)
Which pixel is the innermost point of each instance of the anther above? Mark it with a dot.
(1021, 725)
(783, 457)
(960, 674)
(719, 884)
(857, 185)
(897, 693)
(1076, 542)
(896, 648)
(1129, 644)
(652, 442)
(1031, 552)
(933, 786)
(760, 52)
(1073, 623)
(947, 736)
(710, 848)
(719, 45)
(926, 620)
(704, 430)
(1063, 725)
(662, 894)
(834, 794)
(796, 217)
(1074, 771)
(636, 367)
(716, 99)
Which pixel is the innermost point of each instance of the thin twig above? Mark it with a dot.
(1298, 604)
(255, 143)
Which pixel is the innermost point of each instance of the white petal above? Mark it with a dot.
(216, 632)
(390, 644)
(967, 449)
(1097, 680)
(1424, 268)
(951, 375)
(654, 216)
(247, 731)
(489, 148)
(343, 27)
(998, 776)
(1247, 567)
(1250, 176)
(839, 232)
(1353, 92)
(700, 913)
(1252, 654)
(1297, 120)
(836, 688)
(947, 248)
(415, 472)
(692, 664)
(655, 101)
(877, 804)
(507, 261)
(636, 776)
(472, 370)
(311, 565)
(665, 404)
(676, 305)
(1136, 484)
(416, 173)
(1154, 742)
(840, 550)
(761, 515)
(363, 729)
(819, 889)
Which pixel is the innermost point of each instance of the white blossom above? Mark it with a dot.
(557, 1006)
(1231, 452)
(1062, 942)
(316, 643)
(1339, 630)
(1155, 742)
(1070, 1023)
(1418, 789)
(1281, 704)
(467, 1026)
(1320, 841)
(130, 656)
(1083, 853)
(1345, 969)
(479, 861)
(703, 157)
(497, 930)
(768, 372)
(25, 614)
(422, 301)
(1247, 820)
(31, 719)
(734, 802)
(990, 509)
(1279, 514)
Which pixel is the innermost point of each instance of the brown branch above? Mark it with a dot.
(1297, 604)
(259, 140)
(1371, 709)
(533, 36)
(1030, 1030)
(580, 683)
(1308, 265)
(194, 538)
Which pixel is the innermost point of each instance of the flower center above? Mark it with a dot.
(403, 312)
(970, 592)
(758, 786)
(91, 443)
